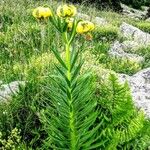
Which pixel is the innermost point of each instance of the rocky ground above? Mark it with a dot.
(140, 89)
(140, 82)
(134, 13)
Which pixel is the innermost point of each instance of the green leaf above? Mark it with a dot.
(56, 53)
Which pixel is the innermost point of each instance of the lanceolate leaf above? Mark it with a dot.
(56, 53)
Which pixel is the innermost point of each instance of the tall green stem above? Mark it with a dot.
(70, 100)
(68, 61)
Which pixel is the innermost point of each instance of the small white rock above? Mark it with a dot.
(8, 90)
(129, 31)
(117, 50)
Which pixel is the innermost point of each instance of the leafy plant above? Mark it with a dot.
(69, 118)
(21, 112)
(145, 52)
(122, 126)
(12, 141)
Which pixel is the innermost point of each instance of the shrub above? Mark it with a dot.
(123, 65)
(21, 112)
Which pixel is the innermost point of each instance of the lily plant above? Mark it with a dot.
(70, 121)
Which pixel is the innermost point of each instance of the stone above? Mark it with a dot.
(148, 19)
(140, 89)
(148, 12)
(8, 90)
(145, 8)
(134, 13)
(130, 46)
(131, 32)
(118, 50)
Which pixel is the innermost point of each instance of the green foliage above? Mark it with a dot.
(125, 66)
(106, 33)
(144, 26)
(121, 125)
(36, 68)
(20, 41)
(43, 110)
(22, 112)
(116, 64)
(71, 112)
(114, 4)
(70, 124)
(145, 52)
(135, 3)
(12, 141)
(6, 20)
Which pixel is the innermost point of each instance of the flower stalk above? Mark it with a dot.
(68, 61)
(70, 100)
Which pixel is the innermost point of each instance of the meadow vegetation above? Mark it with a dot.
(66, 102)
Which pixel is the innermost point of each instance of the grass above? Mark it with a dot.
(143, 25)
(25, 54)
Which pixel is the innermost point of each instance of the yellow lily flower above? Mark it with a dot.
(42, 12)
(84, 27)
(66, 10)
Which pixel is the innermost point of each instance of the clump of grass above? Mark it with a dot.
(36, 67)
(106, 33)
(143, 25)
(145, 52)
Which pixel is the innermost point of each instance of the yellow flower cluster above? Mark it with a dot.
(84, 27)
(42, 12)
(66, 11)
